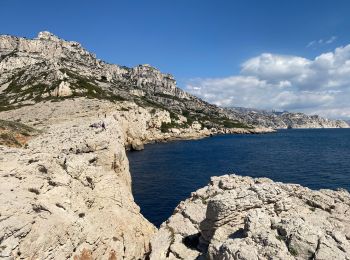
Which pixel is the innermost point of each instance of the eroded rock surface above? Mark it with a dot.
(238, 217)
(68, 194)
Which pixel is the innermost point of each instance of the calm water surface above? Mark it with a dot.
(166, 173)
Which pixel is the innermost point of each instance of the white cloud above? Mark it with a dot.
(321, 42)
(270, 81)
(331, 40)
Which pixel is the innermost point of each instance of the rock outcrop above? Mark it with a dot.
(238, 217)
(68, 193)
(283, 120)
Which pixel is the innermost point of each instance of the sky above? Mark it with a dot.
(268, 54)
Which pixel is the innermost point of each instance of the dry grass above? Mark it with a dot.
(15, 134)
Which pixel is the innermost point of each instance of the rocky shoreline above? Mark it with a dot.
(74, 178)
(199, 134)
(65, 185)
(238, 217)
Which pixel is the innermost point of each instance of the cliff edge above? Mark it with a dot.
(238, 217)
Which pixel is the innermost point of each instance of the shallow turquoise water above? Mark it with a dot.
(166, 173)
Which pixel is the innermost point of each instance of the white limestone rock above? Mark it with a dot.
(63, 90)
(244, 218)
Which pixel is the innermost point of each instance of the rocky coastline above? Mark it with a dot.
(237, 217)
(283, 120)
(74, 178)
(65, 187)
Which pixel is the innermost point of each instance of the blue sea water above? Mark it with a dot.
(166, 173)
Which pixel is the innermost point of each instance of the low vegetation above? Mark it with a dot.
(24, 89)
(15, 134)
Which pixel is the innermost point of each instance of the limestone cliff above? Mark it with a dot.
(67, 193)
(65, 187)
(283, 120)
(49, 68)
(244, 218)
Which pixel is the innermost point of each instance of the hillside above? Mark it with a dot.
(48, 68)
(282, 120)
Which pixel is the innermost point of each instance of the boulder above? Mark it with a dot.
(137, 145)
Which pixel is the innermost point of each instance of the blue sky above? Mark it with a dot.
(196, 41)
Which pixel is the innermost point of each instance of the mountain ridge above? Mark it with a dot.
(48, 68)
(282, 120)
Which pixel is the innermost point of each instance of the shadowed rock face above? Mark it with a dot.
(244, 218)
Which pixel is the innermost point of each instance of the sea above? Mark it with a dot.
(166, 173)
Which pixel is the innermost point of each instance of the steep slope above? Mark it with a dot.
(281, 120)
(49, 68)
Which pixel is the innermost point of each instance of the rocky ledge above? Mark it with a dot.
(238, 217)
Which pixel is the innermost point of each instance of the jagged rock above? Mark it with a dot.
(244, 218)
(74, 180)
(69, 191)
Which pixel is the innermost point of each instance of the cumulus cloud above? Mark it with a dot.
(270, 81)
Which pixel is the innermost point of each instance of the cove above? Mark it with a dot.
(166, 173)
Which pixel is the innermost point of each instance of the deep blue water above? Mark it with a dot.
(164, 174)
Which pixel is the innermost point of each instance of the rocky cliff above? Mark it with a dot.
(66, 119)
(65, 190)
(67, 193)
(282, 120)
(48, 68)
(65, 187)
(244, 218)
